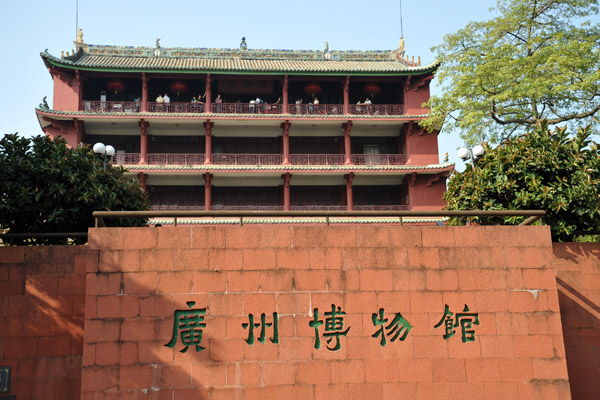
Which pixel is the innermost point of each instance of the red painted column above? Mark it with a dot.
(286, 142)
(208, 141)
(208, 95)
(349, 200)
(347, 148)
(285, 95)
(143, 178)
(347, 95)
(207, 192)
(79, 81)
(286, 191)
(78, 130)
(144, 92)
(144, 142)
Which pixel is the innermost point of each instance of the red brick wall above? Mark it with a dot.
(41, 319)
(578, 281)
(138, 277)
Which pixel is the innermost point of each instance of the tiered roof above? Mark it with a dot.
(202, 60)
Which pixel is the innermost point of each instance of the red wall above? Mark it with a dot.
(142, 275)
(41, 319)
(422, 148)
(66, 93)
(578, 281)
(136, 278)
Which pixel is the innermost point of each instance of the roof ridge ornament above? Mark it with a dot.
(157, 50)
(243, 45)
(326, 52)
(400, 52)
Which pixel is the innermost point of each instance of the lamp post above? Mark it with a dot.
(105, 151)
(471, 154)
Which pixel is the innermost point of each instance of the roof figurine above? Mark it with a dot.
(79, 38)
(44, 104)
(400, 51)
(243, 45)
(158, 43)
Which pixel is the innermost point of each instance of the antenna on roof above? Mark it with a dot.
(401, 28)
(76, 17)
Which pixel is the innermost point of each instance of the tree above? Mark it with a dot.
(536, 61)
(47, 187)
(540, 170)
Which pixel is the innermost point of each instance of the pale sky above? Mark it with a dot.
(29, 27)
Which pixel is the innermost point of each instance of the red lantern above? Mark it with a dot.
(178, 87)
(372, 89)
(116, 85)
(312, 89)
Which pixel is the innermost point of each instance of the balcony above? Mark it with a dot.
(259, 159)
(242, 108)
(280, 208)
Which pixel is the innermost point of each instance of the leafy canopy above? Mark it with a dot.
(535, 61)
(540, 170)
(47, 187)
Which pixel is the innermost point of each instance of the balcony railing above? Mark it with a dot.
(259, 159)
(175, 159)
(376, 109)
(182, 108)
(126, 158)
(112, 106)
(317, 159)
(280, 208)
(242, 108)
(379, 159)
(246, 108)
(247, 159)
(176, 208)
(218, 207)
(316, 109)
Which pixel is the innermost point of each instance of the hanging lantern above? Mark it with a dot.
(178, 87)
(312, 89)
(116, 85)
(372, 89)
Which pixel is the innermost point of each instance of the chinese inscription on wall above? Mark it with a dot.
(188, 326)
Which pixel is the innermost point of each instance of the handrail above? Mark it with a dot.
(533, 214)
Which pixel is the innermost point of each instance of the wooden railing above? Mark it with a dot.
(379, 159)
(316, 109)
(111, 106)
(181, 108)
(280, 208)
(241, 108)
(175, 159)
(376, 109)
(126, 158)
(259, 159)
(247, 159)
(316, 159)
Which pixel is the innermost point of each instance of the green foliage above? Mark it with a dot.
(541, 170)
(47, 187)
(535, 61)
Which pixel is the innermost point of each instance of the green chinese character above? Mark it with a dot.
(448, 323)
(188, 325)
(464, 319)
(394, 328)
(263, 325)
(316, 323)
(333, 327)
